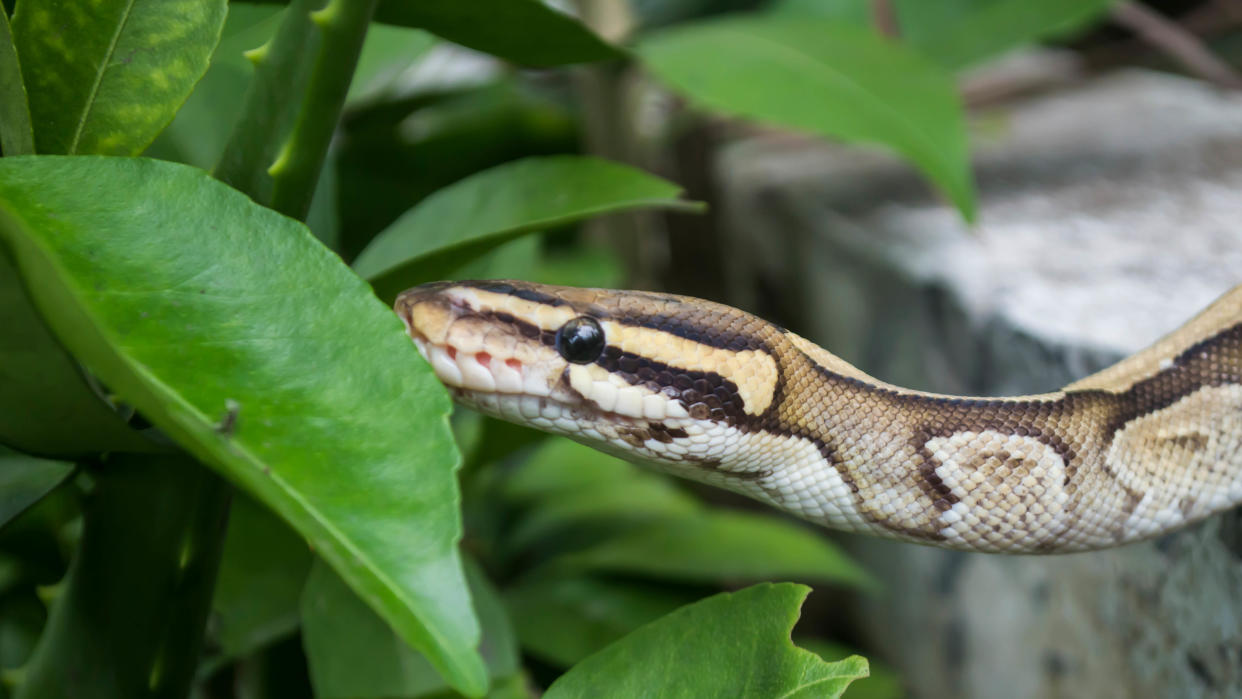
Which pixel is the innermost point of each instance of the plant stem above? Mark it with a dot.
(301, 79)
(1181, 45)
(296, 172)
(128, 620)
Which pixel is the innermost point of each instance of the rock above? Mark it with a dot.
(1109, 214)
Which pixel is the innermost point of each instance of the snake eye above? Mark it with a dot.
(581, 340)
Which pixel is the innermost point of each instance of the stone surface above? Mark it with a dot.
(1110, 213)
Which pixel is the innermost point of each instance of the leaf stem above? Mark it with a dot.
(301, 79)
(296, 172)
(1175, 41)
(128, 619)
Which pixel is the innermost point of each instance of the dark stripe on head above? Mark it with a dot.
(527, 330)
(523, 292)
(705, 395)
(702, 333)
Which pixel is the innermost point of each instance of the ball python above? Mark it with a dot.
(712, 393)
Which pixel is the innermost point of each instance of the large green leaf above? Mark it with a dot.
(48, 406)
(563, 620)
(882, 683)
(957, 33)
(477, 214)
(730, 645)
(25, 479)
(984, 29)
(262, 574)
(235, 332)
(826, 78)
(524, 31)
(569, 492)
(721, 546)
(106, 76)
(353, 655)
(636, 522)
(197, 134)
(16, 133)
(529, 32)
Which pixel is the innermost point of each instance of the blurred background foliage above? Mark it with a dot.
(440, 163)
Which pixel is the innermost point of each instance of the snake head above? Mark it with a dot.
(633, 373)
(512, 351)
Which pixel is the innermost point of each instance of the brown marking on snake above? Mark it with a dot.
(1079, 425)
(1210, 362)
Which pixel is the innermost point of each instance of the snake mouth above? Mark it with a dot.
(473, 371)
(504, 388)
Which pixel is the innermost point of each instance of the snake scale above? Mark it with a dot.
(712, 393)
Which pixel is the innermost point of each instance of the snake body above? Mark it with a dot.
(712, 393)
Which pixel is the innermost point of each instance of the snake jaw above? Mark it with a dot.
(474, 357)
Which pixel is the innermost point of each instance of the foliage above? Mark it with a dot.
(730, 644)
(185, 342)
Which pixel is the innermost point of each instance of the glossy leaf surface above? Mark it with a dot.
(825, 78)
(354, 655)
(25, 479)
(732, 644)
(523, 31)
(475, 215)
(107, 76)
(230, 328)
(16, 133)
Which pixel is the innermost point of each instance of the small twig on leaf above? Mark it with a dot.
(884, 17)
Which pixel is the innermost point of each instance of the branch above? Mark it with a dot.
(1179, 44)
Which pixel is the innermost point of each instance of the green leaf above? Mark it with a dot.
(642, 524)
(477, 214)
(256, 349)
(586, 494)
(562, 466)
(197, 134)
(16, 132)
(957, 33)
(106, 76)
(261, 578)
(985, 29)
(882, 683)
(386, 54)
(732, 644)
(25, 479)
(563, 620)
(856, 12)
(353, 655)
(825, 78)
(48, 407)
(499, 438)
(523, 31)
(721, 546)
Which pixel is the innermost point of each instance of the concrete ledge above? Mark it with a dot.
(1110, 214)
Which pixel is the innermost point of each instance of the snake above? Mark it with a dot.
(708, 392)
